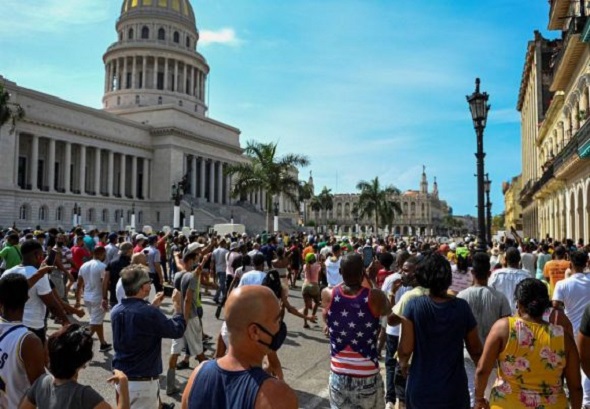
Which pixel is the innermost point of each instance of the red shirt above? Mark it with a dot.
(138, 249)
(381, 276)
(80, 255)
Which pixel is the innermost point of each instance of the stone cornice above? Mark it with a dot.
(170, 130)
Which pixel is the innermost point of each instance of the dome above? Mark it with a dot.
(180, 8)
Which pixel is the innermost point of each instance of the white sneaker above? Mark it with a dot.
(390, 405)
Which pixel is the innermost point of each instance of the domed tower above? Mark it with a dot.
(435, 189)
(424, 182)
(155, 60)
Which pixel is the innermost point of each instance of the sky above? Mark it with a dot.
(363, 88)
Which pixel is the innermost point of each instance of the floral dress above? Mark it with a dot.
(530, 368)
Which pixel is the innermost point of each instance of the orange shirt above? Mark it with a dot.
(554, 270)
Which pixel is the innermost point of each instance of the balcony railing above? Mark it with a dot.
(576, 26)
(571, 148)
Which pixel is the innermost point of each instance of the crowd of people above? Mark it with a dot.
(456, 326)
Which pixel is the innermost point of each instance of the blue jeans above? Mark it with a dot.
(390, 364)
(348, 392)
(220, 293)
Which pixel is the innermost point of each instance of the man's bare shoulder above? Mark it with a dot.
(275, 394)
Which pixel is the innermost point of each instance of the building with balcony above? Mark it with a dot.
(556, 176)
(423, 213)
(153, 132)
(512, 207)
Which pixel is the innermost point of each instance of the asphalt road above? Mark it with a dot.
(304, 357)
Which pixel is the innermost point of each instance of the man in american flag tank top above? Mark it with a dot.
(352, 310)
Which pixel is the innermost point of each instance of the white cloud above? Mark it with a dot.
(50, 15)
(225, 36)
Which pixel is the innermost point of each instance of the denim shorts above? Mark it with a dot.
(356, 393)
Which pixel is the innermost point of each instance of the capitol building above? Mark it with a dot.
(111, 166)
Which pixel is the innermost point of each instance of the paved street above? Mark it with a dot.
(304, 356)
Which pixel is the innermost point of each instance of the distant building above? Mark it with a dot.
(423, 212)
(512, 208)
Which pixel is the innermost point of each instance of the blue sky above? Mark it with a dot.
(364, 88)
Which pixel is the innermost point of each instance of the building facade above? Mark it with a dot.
(556, 175)
(512, 207)
(422, 213)
(153, 132)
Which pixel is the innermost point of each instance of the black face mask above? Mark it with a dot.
(277, 339)
(59, 244)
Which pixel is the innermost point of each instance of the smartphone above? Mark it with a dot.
(51, 257)
(168, 291)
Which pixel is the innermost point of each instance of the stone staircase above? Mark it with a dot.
(209, 214)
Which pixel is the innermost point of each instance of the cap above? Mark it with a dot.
(234, 245)
(191, 248)
(113, 236)
(140, 237)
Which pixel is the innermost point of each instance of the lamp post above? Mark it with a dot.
(356, 222)
(488, 185)
(276, 218)
(176, 196)
(231, 217)
(479, 107)
(192, 219)
(75, 215)
(133, 217)
(79, 221)
(121, 220)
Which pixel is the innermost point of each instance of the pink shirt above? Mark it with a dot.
(312, 272)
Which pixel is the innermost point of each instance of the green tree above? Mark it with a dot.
(326, 199)
(498, 222)
(267, 172)
(305, 192)
(9, 111)
(375, 201)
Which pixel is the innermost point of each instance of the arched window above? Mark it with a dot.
(105, 216)
(130, 34)
(145, 32)
(59, 214)
(161, 34)
(23, 213)
(176, 37)
(43, 213)
(188, 42)
(91, 215)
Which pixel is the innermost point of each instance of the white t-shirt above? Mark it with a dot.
(92, 272)
(574, 293)
(505, 281)
(386, 288)
(333, 272)
(254, 277)
(35, 309)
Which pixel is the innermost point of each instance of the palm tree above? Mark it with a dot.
(9, 111)
(267, 172)
(326, 199)
(305, 192)
(378, 202)
(316, 205)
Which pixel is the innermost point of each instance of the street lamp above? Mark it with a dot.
(177, 193)
(121, 220)
(231, 217)
(488, 185)
(79, 221)
(133, 216)
(75, 215)
(276, 218)
(479, 107)
(192, 219)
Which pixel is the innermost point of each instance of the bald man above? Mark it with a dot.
(255, 328)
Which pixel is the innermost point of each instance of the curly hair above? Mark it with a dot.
(433, 271)
(69, 349)
(532, 295)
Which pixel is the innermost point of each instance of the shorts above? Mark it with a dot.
(311, 290)
(193, 336)
(143, 394)
(351, 392)
(95, 312)
(177, 346)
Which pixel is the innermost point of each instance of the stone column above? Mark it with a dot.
(176, 82)
(134, 73)
(34, 161)
(211, 198)
(133, 176)
(202, 179)
(166, 74)
(184, 78)
(264, 204)
(106, 77)
(219, 182)
(194, 176)
(144, 72)
(125, 70)
(68, 167)
(197, 84)
(51, 165)
(82, 170)
(155, 79)
(111, 173)
(97, 171)
(203, 86)
(122, 176)
(191, 81)
(146, 178)
(228, 190)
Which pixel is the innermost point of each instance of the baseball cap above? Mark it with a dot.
(191, 248)
(234, 245)
(140, 237)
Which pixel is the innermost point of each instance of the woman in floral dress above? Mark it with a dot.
(532, 357)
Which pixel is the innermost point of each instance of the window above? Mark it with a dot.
(188, 42)
(158, 217)
(145, 33)
(140, 217)
(179, 103)
(129, 80)
(176, 37)
(105, 216)
(160, 84)
(90, 215)
(130, 34)
(59, 214)
(161, 34)
(159, 100)
(23, 213)
(42, 213)
(137, 100)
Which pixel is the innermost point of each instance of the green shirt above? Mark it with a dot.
(11, 255)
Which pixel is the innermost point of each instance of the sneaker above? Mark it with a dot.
(182, 365)
(390, 405)
(105, 347)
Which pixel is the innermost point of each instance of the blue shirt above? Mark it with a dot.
(138, 329)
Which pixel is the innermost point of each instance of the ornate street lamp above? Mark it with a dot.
(79, 221)
(276, 218)
(488, 185)
(177, 194)
(231, 217)
(133, 216)
(75, 215)
(479, 107)
(192, 219)
(121, 220)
